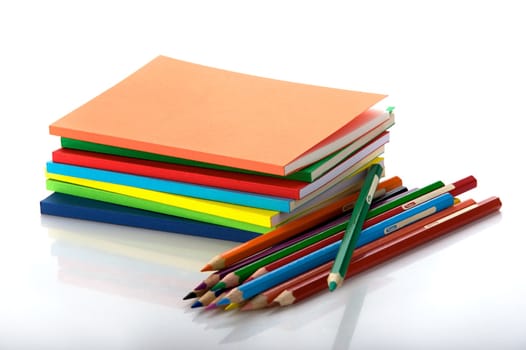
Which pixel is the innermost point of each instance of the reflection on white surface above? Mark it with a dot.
(110, 279)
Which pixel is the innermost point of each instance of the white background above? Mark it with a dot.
(455, 72)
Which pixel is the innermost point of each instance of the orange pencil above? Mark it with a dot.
(288, 230)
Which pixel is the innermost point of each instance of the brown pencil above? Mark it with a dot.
(394, 245)
(265, 299)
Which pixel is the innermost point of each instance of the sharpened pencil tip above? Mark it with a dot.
(197, 304)
(222, 302)
(231, 306)
(211, 306)
(190, 295)
(333, 285)
(218, 286)
(201, 285)
(207, 267)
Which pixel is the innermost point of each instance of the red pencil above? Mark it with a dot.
(455, 188)
(396, 245)
(265, 298)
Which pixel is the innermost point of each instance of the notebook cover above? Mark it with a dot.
(307, 174)
(120, 199)
(244, 189)
(64, 205)
(187, 110)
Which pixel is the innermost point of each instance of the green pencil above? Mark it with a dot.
(354, 227)
(237, 277)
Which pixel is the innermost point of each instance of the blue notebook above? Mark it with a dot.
(64, 205)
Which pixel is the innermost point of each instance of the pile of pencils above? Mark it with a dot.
(277, 269)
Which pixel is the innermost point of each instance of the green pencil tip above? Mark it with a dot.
(218, 286)
(333, 285)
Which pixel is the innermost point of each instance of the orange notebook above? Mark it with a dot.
(186, 110)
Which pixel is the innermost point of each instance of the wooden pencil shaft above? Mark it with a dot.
(302, 252)
(352, 231)
(288, 271)
(273, 292)
(319, 274)
(404, 199)
(245, 271)
(366, 236)
(319, 280)
(299, 243)
(260, 243)
(387, 199)
(401, 242)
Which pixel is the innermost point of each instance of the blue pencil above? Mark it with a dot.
(248, 290)
(405, 218)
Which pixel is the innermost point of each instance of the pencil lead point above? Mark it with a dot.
(190, 296)
(211, 306)
(197, 304)
(207, 267)
(332, 286)
(232, 306)
(222, 302)
(201, 285)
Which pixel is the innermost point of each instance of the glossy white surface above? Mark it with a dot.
(455, 73)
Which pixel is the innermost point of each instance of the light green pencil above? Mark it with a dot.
(354, 227)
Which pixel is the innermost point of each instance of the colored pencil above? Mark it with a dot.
(296, 255)
(404, 199)
(354, 227)
(381, 198)
(288, 230)
(395, 245)
(238, 276)
(238, 272)
(454, 189)
(208, 297)
(249, 289)
(194, 294)
(382, 201)
(309, 249)
(265, 298)
(213, 304)
(215, 277)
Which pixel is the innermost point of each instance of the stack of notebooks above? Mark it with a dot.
(191, 149)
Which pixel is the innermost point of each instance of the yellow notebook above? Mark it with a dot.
(260, 217)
